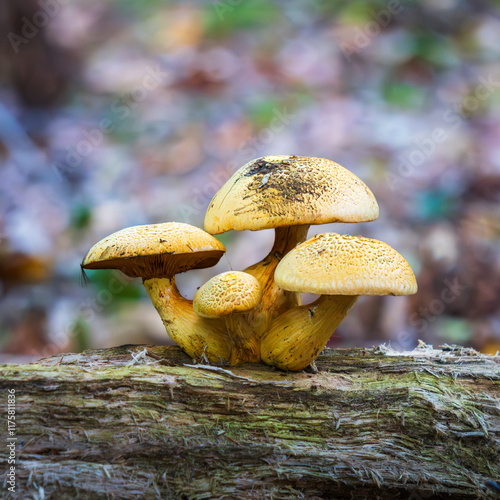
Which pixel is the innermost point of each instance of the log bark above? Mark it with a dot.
(146, 422)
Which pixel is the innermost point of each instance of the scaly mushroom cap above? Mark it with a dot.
(276, 191)
(227, 293)
(334, 264)
(155, 250)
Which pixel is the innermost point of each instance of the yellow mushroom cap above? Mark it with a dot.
(227, 293)
(155, 250)
(334, 264)
(276, 191)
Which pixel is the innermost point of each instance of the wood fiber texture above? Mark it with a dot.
(144, 422)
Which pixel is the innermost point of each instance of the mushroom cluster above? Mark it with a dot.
(256, 315)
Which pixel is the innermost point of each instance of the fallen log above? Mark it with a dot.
(147, 422)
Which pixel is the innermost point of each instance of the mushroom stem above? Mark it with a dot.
(295, 338)
(287, 238)
(246, 345)
(197, 336)
(275, 300)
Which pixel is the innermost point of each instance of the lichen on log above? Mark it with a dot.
(147, 422)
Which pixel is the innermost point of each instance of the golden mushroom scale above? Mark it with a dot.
(281, 191)
(226, 296)
(226, 293)
(345, 265)
(155, 250)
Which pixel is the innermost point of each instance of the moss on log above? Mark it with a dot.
(145, 422)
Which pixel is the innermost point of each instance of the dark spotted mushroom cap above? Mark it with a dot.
(155, 250)
(276, 191)
(226, 293)
(334, 264)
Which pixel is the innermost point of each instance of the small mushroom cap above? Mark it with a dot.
(334, 264)
(227, 293)
(276, 191)
(155, 250)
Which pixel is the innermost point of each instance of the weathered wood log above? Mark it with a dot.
(144, 422)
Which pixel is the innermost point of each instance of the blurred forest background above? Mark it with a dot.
(122, 112)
